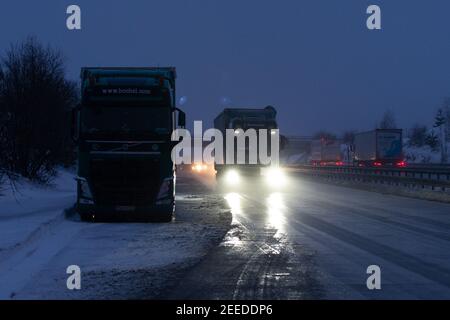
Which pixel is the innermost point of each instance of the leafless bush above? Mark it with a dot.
(35, 104)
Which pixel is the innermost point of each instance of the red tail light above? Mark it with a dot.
(401, 164)
(377, 164)
(339, 163)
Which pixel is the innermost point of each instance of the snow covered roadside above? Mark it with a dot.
(27, 207)
(421, 155)
(117, 260)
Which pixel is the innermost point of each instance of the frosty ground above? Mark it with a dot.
(308, 240)
(40, 236)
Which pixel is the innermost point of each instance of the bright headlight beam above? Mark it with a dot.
(234, 201)
(275, 177)
(232, 177)
(276, 211)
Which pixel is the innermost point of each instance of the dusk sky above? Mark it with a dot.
(315, 60)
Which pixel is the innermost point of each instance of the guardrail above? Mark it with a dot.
(432, 178)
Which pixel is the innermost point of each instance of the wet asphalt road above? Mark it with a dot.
(310, 240)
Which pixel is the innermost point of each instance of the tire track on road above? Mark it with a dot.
(409, 262)
(349, 211)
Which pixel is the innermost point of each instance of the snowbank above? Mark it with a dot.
(421, 155)
(38, 241)
(25, 206)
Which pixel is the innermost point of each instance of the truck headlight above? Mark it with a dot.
(232, 177)
(275, 177)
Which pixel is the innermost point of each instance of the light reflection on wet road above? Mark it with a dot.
(312, 240)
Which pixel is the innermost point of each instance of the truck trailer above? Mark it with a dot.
(380, 147)
(327, 152)
(123, 130)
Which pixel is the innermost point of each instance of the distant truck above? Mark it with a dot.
(325, 152)
(380, 147)
(123, 130)
(243, 119)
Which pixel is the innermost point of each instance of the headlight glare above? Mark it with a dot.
(232, 177)
(275, 177)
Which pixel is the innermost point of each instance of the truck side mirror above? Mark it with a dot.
(181, 118)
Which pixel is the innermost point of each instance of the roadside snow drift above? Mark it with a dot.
(41, 235)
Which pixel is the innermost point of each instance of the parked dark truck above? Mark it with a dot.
(240, 120)
(123, 129)
(380, 147)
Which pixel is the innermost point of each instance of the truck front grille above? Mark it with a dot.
(127, 182)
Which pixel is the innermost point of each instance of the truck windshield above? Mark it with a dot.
(125, 121)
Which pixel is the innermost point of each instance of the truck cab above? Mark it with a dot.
(123, 130)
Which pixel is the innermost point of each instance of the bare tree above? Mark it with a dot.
(446, 110)
(388, 120)
(35, 104)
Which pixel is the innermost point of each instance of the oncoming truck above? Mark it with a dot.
(380, 147)
(239, 120)
(123, 130)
